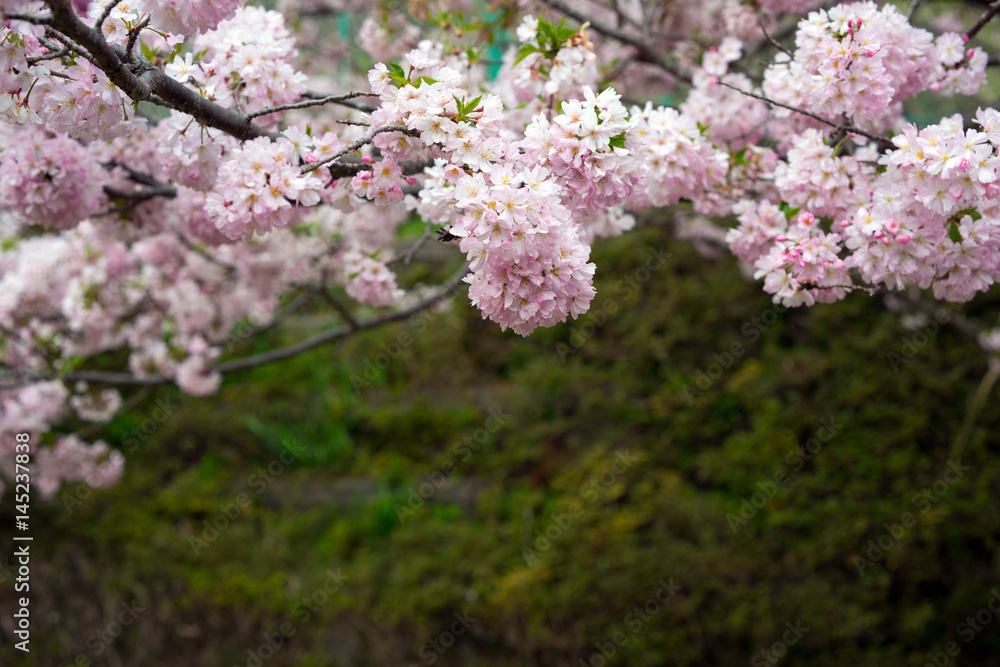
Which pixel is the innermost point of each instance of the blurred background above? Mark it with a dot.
(471, 497)
(686, 475)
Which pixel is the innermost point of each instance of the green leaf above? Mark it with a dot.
(740, 157)
(618, 141)
(788, 210)
(525, 51)
(473, 105)
(953, 232)
(971, 212)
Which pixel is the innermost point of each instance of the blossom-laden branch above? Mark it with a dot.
(987, 16)
(329, 99)
(884, 142)
(143, 82)
(253, 361)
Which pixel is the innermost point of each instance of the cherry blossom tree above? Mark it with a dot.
(175, 175)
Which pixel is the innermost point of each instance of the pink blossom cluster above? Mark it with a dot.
(50, 180)
(590, 148)
(815, 178)
(369, 280)
(260, 188)
(248, 61)
(530, 267)
(933, 215)
(801, 258)
(680, 162)
(71, 459)
(729, 115)
(529, 85)
(859, 59)
(172, 16)
(33, 409)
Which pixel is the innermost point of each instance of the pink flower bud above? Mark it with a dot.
(367, 159)
(850, 23)
(964, 164)
(781, 239)
(311, 158)
(903, 238)
(877, 234)
(411, 180)
(885, 240)
(845, 223)
(968, 54)
(869, 53)
(965, 38)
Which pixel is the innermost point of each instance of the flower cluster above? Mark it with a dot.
(49, 180)
(587, 148)
(680, 162)
(815, 178)
(248, 61)
(933, 215)
(803, 266)
(858, 59)
(257, 189)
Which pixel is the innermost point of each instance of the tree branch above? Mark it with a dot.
(143, 82)
(314, 102)
(882, 141)
(983, 20)
(116, 378)
(350, 148)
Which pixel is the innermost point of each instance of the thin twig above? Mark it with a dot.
(983, 20)
(350, 148)
(341, 332)
(135, 399)
(308, 103)
(976, 402)
(914, 6)
(760, 22)
(847, 128)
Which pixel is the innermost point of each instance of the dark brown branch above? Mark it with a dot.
(360, 106)
(314, 102)
(341, 332)
(882, 141)
(116, 378)
(983, 20)
(142, 81)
